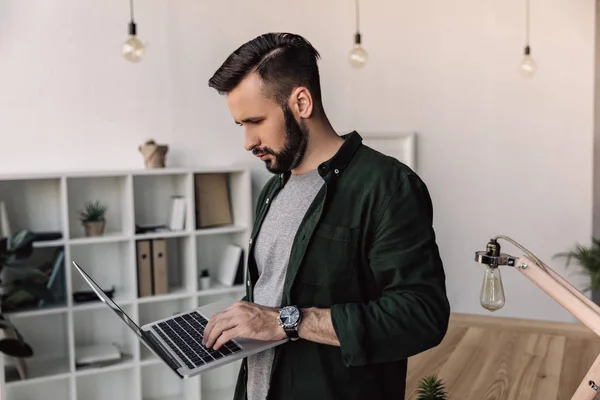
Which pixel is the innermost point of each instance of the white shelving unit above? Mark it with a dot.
(51, 202)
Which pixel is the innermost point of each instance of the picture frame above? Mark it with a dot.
(400, 145)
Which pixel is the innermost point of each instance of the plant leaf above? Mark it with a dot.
(39, 290)
(4, 324)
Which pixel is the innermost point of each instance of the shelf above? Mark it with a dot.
(48, 243)
(221, 230)
(37, 312)
(211, 250)
(217, 289)
(50, 345)
(219, 383)
(108, 384)
(218, 394)
(101, 327)
(158, 382)
(106, 264)
(33, 204)
(51, 261)
(51, 202)
(41, 370)
(111, 191)
(108, 237)
(54, 389)
(180, 264)
(174, 294)
(153, 195)
(161, 234)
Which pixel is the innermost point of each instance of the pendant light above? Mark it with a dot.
(358, 55)
(132, 49)
(528, 66)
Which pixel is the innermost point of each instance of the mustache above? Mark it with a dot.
(257, 151)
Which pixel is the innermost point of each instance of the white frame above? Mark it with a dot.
(407, 141)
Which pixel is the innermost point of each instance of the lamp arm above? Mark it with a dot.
(560, 290)
(577, 304)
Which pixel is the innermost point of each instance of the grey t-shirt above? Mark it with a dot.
(272, 253)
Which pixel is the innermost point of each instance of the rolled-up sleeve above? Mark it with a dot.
(413, 311)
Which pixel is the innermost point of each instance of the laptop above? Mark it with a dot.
(177, 339)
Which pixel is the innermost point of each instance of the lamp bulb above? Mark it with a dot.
(528, 66)
(492, 291)
(358, 55)
(133, 50)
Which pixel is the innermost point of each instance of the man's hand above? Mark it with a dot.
(243, 320)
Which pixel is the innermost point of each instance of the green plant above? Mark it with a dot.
(588, 258)
(431, 388)
(93, 211)
(14, 252)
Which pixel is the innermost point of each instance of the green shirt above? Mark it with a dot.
(367, 250)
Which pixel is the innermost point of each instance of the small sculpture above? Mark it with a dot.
(154, 154)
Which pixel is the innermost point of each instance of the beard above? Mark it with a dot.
(296, 141)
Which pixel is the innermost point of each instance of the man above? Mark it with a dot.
(342, 257)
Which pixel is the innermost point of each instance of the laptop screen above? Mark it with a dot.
(134, 327)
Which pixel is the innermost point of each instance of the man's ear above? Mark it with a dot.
(302, 102)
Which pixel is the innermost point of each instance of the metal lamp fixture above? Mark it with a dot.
(132, 49)
(574, 301)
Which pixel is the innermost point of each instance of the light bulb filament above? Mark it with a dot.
(492, 290)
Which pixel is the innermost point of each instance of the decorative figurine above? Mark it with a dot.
(154, 154)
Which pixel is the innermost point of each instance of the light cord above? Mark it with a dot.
(357, 17)
(528, 253)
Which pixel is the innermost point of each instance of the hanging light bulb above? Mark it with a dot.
(132, 49)
(358, 55)
(492, 291)
(528, 65)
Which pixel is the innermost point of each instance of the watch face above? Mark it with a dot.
(289, 315)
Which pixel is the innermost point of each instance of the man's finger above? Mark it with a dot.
(225, 337)
(218, 328)
(208, 328)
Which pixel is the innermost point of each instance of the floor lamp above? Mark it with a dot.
(550, 282)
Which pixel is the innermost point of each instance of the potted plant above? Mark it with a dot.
(431, 388)
(93, 218)
(14, 251)
(588, 259)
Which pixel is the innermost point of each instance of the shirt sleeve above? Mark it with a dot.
(413, 311)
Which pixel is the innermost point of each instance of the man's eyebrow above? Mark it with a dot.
(249, 119)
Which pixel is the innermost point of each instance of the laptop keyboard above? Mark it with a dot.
(184, 333)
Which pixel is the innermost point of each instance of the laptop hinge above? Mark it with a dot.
(159, 348)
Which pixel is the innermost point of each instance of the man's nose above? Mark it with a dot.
(251, 142)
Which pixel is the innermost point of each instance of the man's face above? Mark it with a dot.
(270, 133)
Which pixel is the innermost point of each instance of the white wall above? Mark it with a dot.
(500, 154)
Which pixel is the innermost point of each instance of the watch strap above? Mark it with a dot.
(291, 332)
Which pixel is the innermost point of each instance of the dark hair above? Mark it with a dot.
(283, 61)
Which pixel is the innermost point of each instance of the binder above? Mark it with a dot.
(159, 266)
(213, 207)
(144, 268)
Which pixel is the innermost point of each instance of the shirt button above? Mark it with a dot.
(248, 283)
(267, 201)
(250, 240)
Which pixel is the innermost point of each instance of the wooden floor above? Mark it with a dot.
(495, 358)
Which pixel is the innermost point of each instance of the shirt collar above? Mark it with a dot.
(333, 168)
